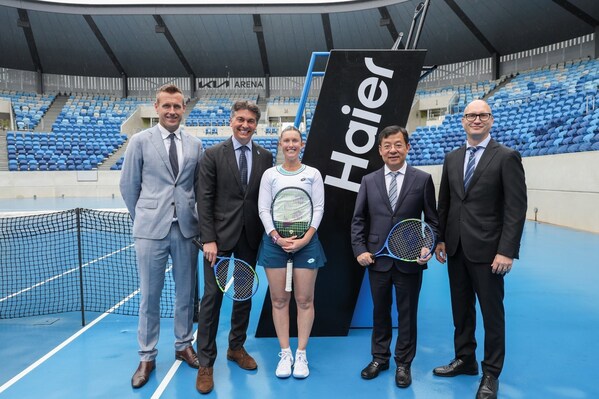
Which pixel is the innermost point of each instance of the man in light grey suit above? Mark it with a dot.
(158, 183)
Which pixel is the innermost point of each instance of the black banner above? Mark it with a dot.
(362, 92)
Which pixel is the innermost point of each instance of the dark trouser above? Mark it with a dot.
(468, 280)
(407, 290)
(210, 309)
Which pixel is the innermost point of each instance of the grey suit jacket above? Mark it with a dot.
(224, 208)
(373, 216)
(150, 189)
(488, 218)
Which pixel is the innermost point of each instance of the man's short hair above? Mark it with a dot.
(250, 106)
(168, 88)
(394, 129)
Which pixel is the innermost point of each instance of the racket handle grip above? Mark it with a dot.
(289, 275)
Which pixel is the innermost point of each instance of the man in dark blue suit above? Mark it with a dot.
(230, 174)
(482, 209)
(387, 196)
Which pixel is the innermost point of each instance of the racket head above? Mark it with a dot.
(236, 278)
(411, 239)
(291, 212)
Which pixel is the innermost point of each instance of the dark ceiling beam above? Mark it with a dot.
(328, 32)
(162, 28)
(102, 40)
(24, 23)
(387, 21)
(577, 12)
(259, 31)
(470, 25)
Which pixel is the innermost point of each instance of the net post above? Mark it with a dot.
(80, 255)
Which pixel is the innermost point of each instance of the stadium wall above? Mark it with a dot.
(563, 189)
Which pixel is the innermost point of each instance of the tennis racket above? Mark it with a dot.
(234, 277)
(291, 212)
(406, 241)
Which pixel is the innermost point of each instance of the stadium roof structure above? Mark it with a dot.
(244, 39)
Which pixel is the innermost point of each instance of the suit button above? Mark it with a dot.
(172, 203)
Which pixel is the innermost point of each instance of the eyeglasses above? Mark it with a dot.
(397, 146)
(483, 117)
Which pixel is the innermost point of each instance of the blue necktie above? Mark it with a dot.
(243, 167)
(470, 166)
(393, 189)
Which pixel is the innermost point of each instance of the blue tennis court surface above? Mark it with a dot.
(552, 323)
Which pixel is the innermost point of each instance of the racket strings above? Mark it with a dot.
(292, 212)
(407, 240)
(236, 279)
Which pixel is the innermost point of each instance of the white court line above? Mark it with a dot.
(63, 344)
(65, 273)
(171, 373)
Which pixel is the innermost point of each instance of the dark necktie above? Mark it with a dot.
(393, 189)
(243, 167)
(470, 166)
(172, 155)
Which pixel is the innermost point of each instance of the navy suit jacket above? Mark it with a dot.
(489, 217)
(224, 208)
(373, 215)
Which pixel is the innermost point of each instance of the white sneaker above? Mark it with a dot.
(300, 368)
(284, 366)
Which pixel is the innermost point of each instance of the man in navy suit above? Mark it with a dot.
(158, 183)
(482, 209)
(413, 194)
(230, 173)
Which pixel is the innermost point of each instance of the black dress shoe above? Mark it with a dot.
(188, 355)
(488, 388)
(142, 374)
(456, 367)
(373, 369)
(403, 376)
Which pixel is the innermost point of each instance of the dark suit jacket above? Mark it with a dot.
(489, 218)
(373, 216)
(223, 208)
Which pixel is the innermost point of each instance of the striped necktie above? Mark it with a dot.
(470, 166)
(393, 189)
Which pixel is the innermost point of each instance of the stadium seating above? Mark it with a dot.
(552, 110)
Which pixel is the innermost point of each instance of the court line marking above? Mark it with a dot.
(48, 355)
(64, 273)
(170, 374)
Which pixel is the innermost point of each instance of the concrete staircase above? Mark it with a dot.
(49, 118)
(498, 87)
(113, 158)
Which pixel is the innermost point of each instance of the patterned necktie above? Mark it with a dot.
(172, 155)
(470, 166)
(393, 189)
(243, 167)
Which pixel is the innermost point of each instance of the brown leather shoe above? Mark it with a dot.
(204, 380)
(142, 374)
(242, 358)
(188, 355)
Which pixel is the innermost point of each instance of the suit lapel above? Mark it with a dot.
(161, 149)
(229, 154)
(256, 163)
(408, 179)
(187, 151)
(381, 186)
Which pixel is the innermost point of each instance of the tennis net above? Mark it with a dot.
(74, 260)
